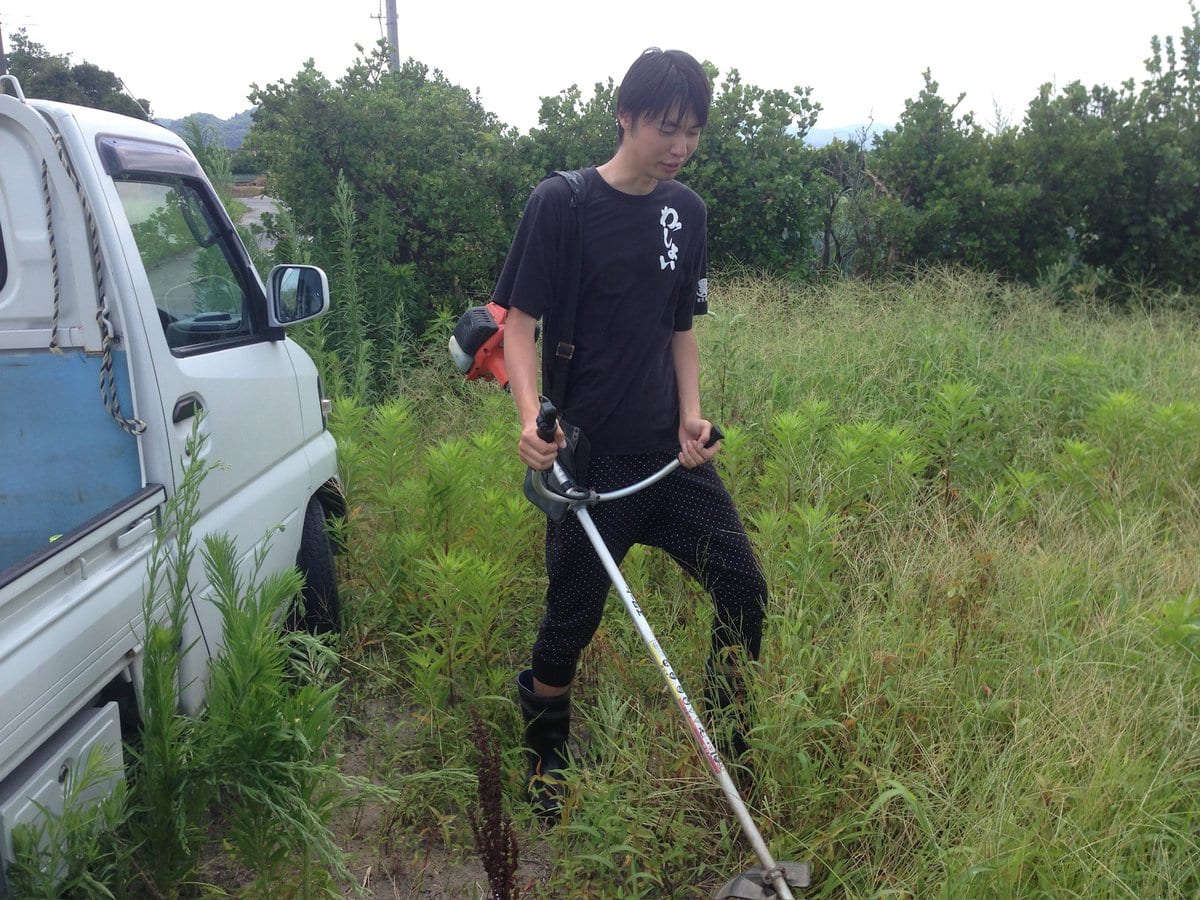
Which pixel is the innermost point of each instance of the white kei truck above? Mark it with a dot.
(130, 314)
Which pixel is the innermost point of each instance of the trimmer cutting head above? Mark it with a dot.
(754, 884)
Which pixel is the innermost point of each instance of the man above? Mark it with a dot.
(633, 388)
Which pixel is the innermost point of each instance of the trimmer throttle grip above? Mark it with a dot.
(716, 434)
(547, 421)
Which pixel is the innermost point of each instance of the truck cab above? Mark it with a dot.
(131, 316)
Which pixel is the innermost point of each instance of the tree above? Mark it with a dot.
(1150, 225)
(860, 215)
(571, 133)
(52, 77)
(431, 178)
(758, 178)
(214, 157)
(1068, 145)
(1117, 170)
(936, 164)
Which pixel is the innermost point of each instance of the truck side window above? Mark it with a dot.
(201, 298)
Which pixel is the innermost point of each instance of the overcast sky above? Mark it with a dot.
(862, 60)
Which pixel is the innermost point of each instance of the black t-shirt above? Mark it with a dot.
(643, 278)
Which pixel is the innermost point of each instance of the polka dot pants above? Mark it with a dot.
(691, 516)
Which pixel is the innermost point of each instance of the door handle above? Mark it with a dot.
(133, 533)
(186, 408)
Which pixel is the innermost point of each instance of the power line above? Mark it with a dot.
(379, 17)
(25, 20)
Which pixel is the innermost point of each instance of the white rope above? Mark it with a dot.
(108, 386)
(54, 348)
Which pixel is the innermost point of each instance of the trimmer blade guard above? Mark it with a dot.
(753, 884)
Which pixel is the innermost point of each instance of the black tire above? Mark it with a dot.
(322, 612)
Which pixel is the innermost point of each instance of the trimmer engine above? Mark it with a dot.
(477, 345)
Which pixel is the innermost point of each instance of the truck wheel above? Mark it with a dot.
(322, 608)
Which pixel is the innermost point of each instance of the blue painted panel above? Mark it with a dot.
(63, 459)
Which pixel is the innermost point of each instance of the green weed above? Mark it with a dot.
(254, 768)
(82, 851)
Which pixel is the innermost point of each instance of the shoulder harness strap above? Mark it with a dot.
(566, 347)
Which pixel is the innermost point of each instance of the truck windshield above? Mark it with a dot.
(201, 298)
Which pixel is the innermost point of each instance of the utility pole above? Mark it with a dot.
(3, 58)
(393, 35)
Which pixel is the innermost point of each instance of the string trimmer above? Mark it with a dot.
(770, 880)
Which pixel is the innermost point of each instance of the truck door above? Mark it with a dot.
(219, 369)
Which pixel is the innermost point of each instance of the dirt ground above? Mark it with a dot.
(391, 870)
(383, 866)
(256, 204)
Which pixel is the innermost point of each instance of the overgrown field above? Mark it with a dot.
(978, 515)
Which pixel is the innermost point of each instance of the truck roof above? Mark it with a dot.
(95, 122)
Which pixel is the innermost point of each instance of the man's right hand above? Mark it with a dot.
(521, 361)
(536, 453)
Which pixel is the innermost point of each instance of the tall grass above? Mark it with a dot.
(978, 516)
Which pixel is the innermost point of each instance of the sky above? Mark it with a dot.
(862, 60)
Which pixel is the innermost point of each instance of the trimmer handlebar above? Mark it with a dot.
(576, 495)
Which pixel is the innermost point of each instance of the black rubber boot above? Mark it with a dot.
(547, 728)
(725, 701)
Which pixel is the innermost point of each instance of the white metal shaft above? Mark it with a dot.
(706, 745)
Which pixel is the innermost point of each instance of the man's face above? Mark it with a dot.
(660, 146)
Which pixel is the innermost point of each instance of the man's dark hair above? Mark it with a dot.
(660, 82)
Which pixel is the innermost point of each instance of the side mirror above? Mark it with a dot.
(296, 294)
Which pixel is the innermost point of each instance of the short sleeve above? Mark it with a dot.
(693, 294)
(532, 270)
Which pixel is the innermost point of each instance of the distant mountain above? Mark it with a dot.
(231, 132)
(819, 137)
